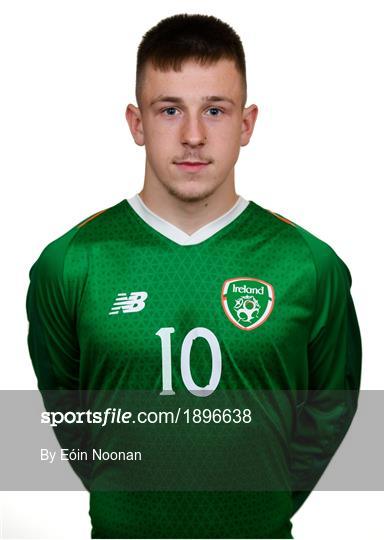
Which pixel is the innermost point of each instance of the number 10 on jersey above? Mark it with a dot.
(185, 361)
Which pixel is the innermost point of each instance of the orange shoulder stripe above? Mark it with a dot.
(91, 218)
(282, 218)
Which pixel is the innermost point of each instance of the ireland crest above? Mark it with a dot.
(247, 302)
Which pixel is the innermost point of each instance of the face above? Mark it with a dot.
(192, 124)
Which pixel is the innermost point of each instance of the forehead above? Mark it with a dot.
(194, 80)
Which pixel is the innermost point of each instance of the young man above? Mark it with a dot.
(187, 275)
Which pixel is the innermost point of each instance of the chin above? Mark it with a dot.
(191, 193)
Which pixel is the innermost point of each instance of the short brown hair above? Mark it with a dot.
(203, 38)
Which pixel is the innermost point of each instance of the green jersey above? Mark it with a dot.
(126, 300)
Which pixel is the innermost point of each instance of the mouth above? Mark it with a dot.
(192, 166)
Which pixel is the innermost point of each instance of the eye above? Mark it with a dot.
(173, 109)
(216, 110)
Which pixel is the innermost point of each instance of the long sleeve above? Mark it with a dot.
(334, 367)
(53, 343)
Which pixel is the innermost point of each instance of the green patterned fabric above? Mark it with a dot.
(100, 294)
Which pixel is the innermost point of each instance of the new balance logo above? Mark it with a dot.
(127, 304)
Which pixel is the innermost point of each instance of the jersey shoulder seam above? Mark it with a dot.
(78, 229)
(91, 218)
(84, 224)
(298, 232)
(62, 253)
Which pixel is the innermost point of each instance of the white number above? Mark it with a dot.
(165, 336)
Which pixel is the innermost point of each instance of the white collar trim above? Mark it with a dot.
(177, 235)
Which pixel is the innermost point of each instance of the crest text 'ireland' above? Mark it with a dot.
(247, 301)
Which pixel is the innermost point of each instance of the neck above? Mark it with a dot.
(187, 215)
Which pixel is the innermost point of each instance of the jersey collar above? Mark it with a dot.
(177, 235)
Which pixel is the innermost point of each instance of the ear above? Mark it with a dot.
(248, 123)
(133, 116)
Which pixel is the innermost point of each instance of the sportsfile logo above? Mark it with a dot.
(129, 304)
(247, 302)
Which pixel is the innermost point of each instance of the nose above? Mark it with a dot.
(193, 132)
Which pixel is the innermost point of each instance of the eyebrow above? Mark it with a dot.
(175, 99)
